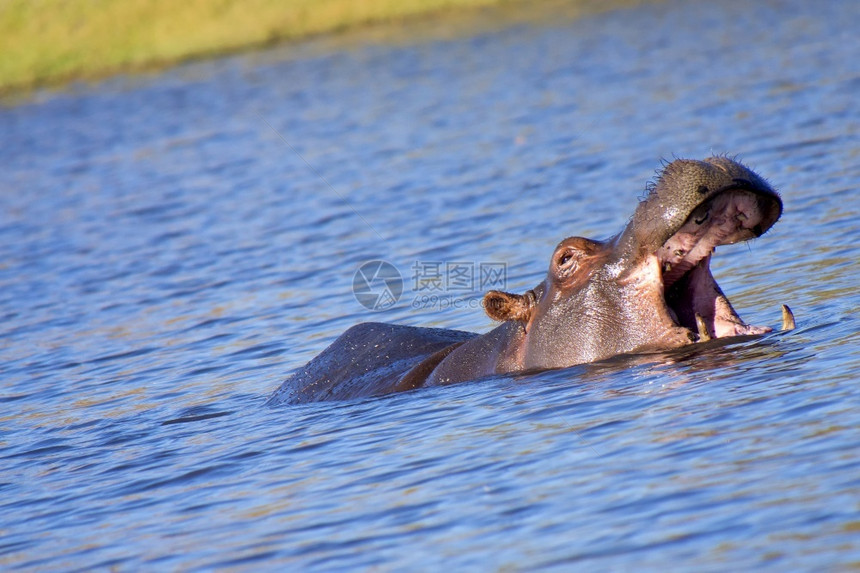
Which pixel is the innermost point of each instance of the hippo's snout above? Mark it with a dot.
(685, 191)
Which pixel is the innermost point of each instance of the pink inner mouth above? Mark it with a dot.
(689, 286)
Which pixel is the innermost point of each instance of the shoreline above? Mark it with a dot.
(62, 42)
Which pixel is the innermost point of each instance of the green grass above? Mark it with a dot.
(49, 42)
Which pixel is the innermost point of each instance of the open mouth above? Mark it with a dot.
(694, 298)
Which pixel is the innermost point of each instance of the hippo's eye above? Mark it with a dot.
(565, 258)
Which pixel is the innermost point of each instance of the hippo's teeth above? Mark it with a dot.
(680, 252)
(742, 217)
(787, 318)
(667, 267)
(704, 335)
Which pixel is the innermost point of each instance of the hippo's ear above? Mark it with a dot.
(506, 306)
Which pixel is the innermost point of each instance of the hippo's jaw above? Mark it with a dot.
(693, 298)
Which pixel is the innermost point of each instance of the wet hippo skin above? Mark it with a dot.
(648, 288)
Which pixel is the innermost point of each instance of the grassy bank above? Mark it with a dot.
(48, 42)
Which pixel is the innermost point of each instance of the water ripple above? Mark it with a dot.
(167, 261)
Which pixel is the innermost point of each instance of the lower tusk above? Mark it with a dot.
(704, 335)
(787, 318)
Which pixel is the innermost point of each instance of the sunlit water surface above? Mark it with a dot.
(173, 246)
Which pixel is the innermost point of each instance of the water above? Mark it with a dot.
(174, 245)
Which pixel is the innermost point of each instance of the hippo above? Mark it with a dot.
(647, 289)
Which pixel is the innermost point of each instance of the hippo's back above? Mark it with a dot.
(369, 359)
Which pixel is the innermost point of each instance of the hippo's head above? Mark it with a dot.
(650, 287)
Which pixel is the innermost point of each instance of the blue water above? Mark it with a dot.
(173, 245)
